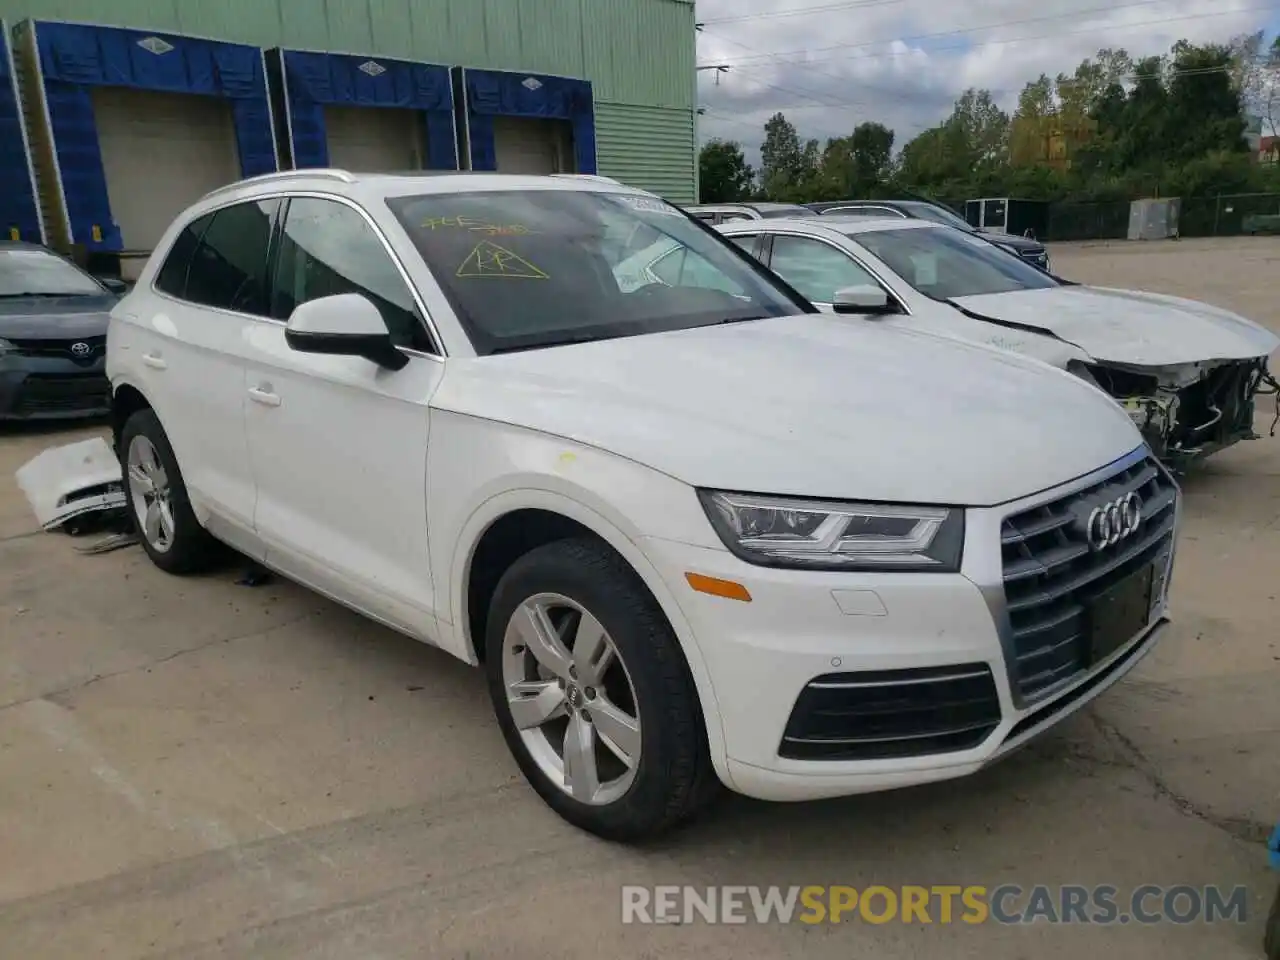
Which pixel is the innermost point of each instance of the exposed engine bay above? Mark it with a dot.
(1192, 410)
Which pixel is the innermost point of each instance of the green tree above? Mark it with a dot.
(984, 126)
(782, 159)
(1204, 105)
(872, 147)
(723, 172)
(1262, 87)
(853, 167)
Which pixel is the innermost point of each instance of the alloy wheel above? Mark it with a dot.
(571, 698)
(150, 493)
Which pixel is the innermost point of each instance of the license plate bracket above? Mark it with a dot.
(1117, 614)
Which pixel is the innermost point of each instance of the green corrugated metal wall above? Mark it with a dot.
(638, 54)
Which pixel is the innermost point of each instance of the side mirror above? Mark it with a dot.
(114, 284)
(864, 299)
(345, 325)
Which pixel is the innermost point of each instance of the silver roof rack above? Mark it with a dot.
(322, 173)
(587, 176)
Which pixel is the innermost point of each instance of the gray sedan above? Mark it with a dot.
(53, 336)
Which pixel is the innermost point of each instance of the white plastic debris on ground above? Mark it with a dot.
(66, 482)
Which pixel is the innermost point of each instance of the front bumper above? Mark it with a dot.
(861, 630)
(1040, 259)
(52, 388)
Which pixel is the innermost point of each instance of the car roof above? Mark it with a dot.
(836, 224)
(378, 186)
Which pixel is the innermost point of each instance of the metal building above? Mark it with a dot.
(19, 214)
(137, 107)
(130, 126)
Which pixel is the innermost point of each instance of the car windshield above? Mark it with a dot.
(538, 268)
(38, 273)
(927, 211)
(943, 264)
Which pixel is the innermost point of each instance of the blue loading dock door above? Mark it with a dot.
(74, 58)
(309, 85)
(19, 215)
(488, 95)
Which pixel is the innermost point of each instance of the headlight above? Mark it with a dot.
(830, 535)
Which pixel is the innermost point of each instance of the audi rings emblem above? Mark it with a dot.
(81, 349)
(1114, 521)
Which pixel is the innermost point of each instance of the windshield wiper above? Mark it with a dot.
(747, 319)
(34, 294)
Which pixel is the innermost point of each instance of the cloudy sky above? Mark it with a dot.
(831, 64)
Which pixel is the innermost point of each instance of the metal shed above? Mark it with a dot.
(196, 111)
(362, 113)
(19, 215)
(525, 123)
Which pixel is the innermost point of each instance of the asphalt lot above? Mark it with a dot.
(194, 768)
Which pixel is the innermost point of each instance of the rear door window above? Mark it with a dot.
(172, 276)
(817, 269)
(228, 269)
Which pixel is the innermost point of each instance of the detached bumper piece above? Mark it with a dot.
(892, 714)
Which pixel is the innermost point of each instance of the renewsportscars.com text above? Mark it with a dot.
(936, 904)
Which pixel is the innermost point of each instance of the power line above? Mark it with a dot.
(883, 91)
(996, 26)
(803, 11)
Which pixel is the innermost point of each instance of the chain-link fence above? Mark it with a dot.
(1224, 216)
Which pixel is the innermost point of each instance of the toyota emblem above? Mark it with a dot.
(1112, 522)
(81, 349)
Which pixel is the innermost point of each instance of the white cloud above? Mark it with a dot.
(903, 62)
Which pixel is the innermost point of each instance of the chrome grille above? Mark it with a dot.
(1051, 572)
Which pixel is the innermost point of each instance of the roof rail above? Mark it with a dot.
(587, 176)
(324, 173)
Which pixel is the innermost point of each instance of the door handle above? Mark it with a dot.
(155, 361)
(264, 397)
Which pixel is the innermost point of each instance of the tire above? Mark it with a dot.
(579, 584)
(1271, 941)
(185, 546)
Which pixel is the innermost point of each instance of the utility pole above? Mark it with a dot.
(717, 68)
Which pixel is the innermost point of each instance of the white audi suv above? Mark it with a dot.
(696, 532)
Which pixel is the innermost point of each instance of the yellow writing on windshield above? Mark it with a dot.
(477, 226)
(490, 260)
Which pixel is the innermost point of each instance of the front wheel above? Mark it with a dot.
(593, 694)
(157, 498)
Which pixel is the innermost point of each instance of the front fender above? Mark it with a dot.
(506, 469)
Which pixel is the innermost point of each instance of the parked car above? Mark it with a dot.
(714, 213)
(1028, 249)
(695, 534)
(1187, 373)
(53, 336)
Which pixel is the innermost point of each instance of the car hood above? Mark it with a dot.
(809, 405)
(1013, 242)
(1129, 327)
(55, 318)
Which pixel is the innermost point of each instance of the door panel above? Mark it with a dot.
(339, 444)
(193, 346)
